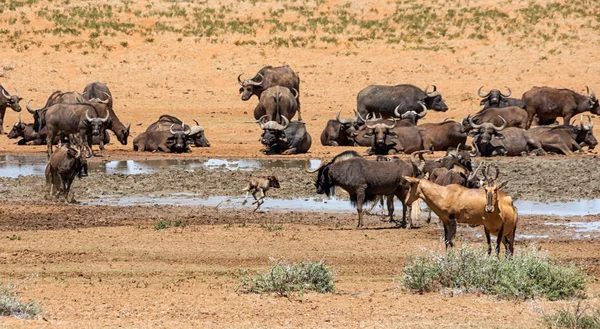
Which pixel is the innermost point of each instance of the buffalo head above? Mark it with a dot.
(410, 116)
(18, 129)
(197, 136)
(493, 97)
(486, 131)
(12, 101)
(178, 141)
(39, 117)
(250, 87)
(96, 124)
(585, 134)
(434, 100)
(594, 105)
(273, 132)
(379, 132)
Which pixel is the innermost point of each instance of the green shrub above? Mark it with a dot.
(10, 305)
(285, 279)
(574, 318)
(467, 270)
(165, 223)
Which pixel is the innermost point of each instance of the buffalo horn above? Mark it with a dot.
(424, 112)
(503, 125)
(78, 153)
(473, 124)
(407, 114)
(296, 93)
(240, 80)
(286, 124)
(392, 126)
(480, 95)
(474, 173)
(397, 109)
(5, 94)
(29, 108)
(476, 152)
(360, 116)
(591, 123)
(260, 121)
(509, 92)
(108, 97)
(171, 129)
(337, 117)
(106, 118)
(255, 83)
(19, 119)
(87, 117)
(189, 130)
(197, 124)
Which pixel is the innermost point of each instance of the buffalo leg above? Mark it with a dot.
(370, 211)
(390, 205)
(530, 115)
(500, 236)
(2, 113)
(49, 139)
(567, 119)
(487, 237)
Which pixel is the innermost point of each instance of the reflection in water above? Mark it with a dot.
(15, 165)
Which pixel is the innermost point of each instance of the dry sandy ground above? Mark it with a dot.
(90, 267)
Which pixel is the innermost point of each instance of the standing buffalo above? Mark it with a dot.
(513, 115)
(267, 77)
(69, 119)
(385, 100)
(64, 165)
(99, 92)
(490, 140)
(337, 132)
(7, 100)
(196, 136)
(549, 103)
(57, 97)
(175, 141)
(276, 102)
(27, 134)
(495, 98)
(289, 138)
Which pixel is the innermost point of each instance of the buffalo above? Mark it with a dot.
(286, 138)
(27, 134)
(196, 136)
(442, 136)
(267, 77)
(566, 138)
(57, 97)
(275, 102)
(365, 179)
(175, 141)
(338, 132)
(65, 164)
(99, 92)
(69, 119)
(549, 103)
(491, 140)
(513, 115)
(7, 100)
(392, 101)
(495, 98)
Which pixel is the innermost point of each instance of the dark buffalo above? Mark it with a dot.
(495, 98)
(365, 179)
(392, 101)
(27, 134)
(275, 102)
(196, 136)
(267, 77)
(79, 119)
(566, 138)
(97, 91)
(490, 140)
(442, 136)
(549, 103)
(7, 100)
(65, 164)
(338, 132)
(175, 141)
(513, 115)
(459, 156)
(57, 97)
(289, 138)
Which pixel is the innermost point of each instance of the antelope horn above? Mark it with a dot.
(497, 171)
(503, 125)
(240, 80)
(87, 117)
(483, 96)
(509, 92)
(474, 173)
(29, 108)
(106, 118)
(473, 124)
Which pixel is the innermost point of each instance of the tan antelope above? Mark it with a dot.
(454, 204)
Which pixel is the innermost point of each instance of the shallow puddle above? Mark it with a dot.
(14, 165)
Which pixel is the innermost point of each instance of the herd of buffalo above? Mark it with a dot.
(386, 120)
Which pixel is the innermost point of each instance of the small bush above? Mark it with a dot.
(574, 318)
(10, 305)
(285, 279)
(525, 275)
(165, 223)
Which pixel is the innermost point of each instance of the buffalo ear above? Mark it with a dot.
(473, 133)
(482, 102)
(241, 90)
(499, 136)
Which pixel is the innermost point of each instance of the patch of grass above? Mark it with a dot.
(286, 279)
(578, 317)
(466, 270)
(10, 305)
(165, 223)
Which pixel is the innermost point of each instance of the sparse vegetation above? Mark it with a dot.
(165, 223)
(287, 279)
(528, 274)
(573, 317)
(10, 304)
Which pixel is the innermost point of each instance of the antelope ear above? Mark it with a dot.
(502, 185)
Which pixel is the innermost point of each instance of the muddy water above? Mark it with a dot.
(13, 166)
